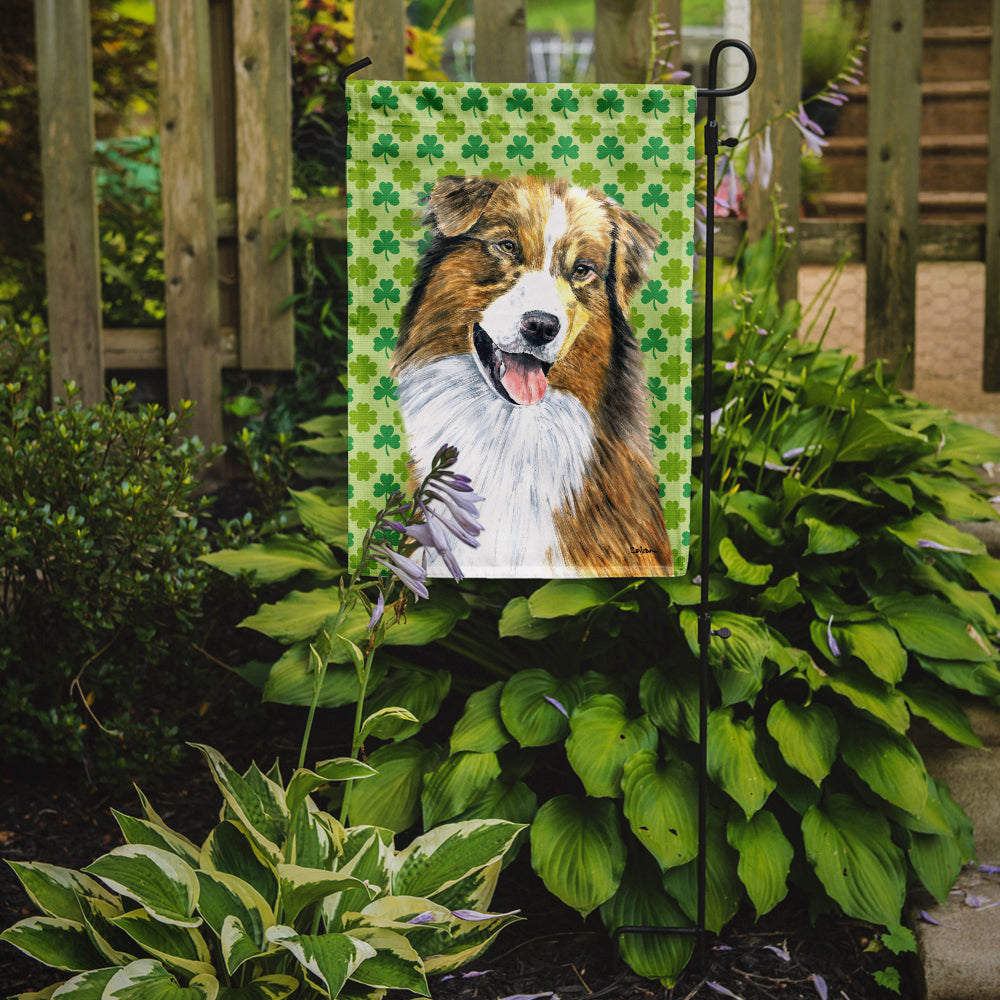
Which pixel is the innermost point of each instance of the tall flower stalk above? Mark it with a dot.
(392, 571)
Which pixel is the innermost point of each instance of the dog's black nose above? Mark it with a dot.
(539, 327)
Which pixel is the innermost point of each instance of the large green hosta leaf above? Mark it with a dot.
(888, 763)
(481, 727)
(738, 661)
(578, 851)
(850, 848)
(415, 689)
(558, 598)
(932, 628)
(765, 858)
(642, 902)
(456, 784)
(661, 806)
(602, 738)
(535, 706)
(732, 760)
(671, 699)
(278, 558)
(876, 646)
(926, 528)
(941, 709)
(807, 736)
(391, 798)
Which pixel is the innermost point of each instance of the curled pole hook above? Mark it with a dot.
(348, 70)
(713, 90)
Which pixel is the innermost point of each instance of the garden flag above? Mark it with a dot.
(521, 261)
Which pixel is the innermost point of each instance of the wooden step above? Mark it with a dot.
(947, 106)
(956, 53)
(957, 206)
(947, 162)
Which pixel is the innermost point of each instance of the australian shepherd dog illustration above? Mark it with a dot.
(515, 348)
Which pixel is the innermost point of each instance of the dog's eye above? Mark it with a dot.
(583, 270)
(508, 247)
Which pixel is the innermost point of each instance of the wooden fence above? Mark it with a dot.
(226, 160)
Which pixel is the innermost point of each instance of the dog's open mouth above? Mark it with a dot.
(518, 378)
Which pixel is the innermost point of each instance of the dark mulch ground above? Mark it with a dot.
(550, 952)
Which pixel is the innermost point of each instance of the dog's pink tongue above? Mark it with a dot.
(524, 379)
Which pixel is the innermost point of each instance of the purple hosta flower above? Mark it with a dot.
(780, 952)
(475, 915)
(820, 984)
(927, 543)
(719, 988)
(427, 917)
(831, 642)
(377, 611)
(411, 574)
(989, 869)
(811, 132)
(728, 194)
(760, 165)
(557, 704)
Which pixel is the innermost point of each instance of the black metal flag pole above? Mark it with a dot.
(705, 631)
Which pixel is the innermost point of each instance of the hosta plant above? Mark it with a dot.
(279, 900)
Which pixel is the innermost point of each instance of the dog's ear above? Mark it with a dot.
(456, 203)
(636, 240)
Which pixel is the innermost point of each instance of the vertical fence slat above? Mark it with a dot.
(380, 34)
(991, 333)
(261, 57)
(501, 41)
(190, 253)
(72, 257)
(622, 40)
(776, 35)
(893, 183)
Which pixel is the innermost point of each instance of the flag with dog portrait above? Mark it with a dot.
(520, 269)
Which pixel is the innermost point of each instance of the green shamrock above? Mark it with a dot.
(519, 101)
(362, 222)
(674, 369)
(400, 466)
(677, 320)
(386, 100)
(654, 341)
(631, 129)
(388, 438)
(475, 148)
(655, 198)
(609, 103)
(540, 128)
(363, 512)
(362, 126)
(404, 271)
(385, 148)
(673, 466)
(362, 369)
(386, 485)
(586, 175)
(676, 224)
(474, 101)
(406, 223)
(363, 417)
(363, 320)
(672, 418)
(405, 126)
(495, 127)
(386, 243)
(676, 177)
(656, 388)
(631, 176)
(653, 150)
(520, 149)
(675, 273)
(676, 129)
(386, 291)
(657, 439)
(386, 195)
(542, 170)
(361, 271)
(564, 101)
(610, 149)
(362, 466)
(586, 129)
(611, 190)
(654, 292)
(450, 128)
(385, 341)
(565, 149)
(655, 102)
(430, 148)
(385, 390)
(429, 100)
(673, 515)
(406, 174)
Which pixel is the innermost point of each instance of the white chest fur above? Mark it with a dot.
(527, 461)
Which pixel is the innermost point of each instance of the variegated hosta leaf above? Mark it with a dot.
(807, 736)
(275, 987)
(850, 847)
(441, 857)
(732, 760)
(158, 880)
(149, 980)
(238, 944)
(86, 986)
(468, 939)
(765, 858)
(141, 831)
(177, 947)
(56, 891)
(230, 849)
(54, 941)
(329, 959)
(304, 782)
(475, 891)
(256, 801)
(367, 853)
(315, 839)
(661, 799)
(116, 946)
(602, 737)
(642, 902)
(301, 887)
(395, 964)
(578, 851)
(225, 897)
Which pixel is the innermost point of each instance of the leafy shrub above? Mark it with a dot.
(99, 539)
(279, 899)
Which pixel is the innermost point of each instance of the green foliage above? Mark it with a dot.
(101, 587)
(280, 899)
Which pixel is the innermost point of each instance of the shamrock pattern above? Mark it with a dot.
(634, 143)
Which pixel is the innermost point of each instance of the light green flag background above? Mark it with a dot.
(636, 143)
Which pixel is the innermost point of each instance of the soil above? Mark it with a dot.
(550, 953)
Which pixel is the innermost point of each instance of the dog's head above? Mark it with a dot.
(530, 277)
